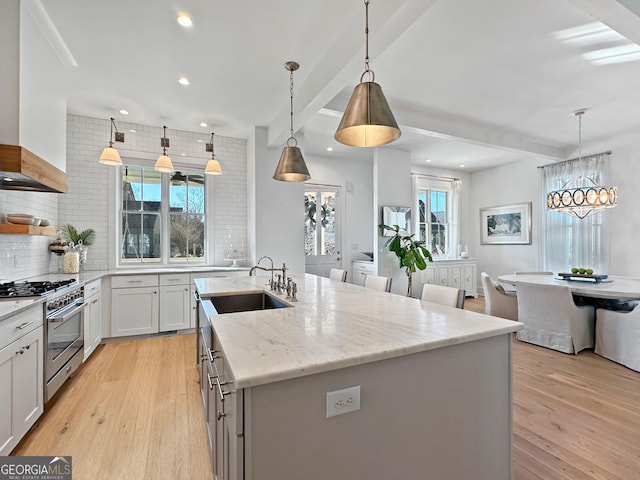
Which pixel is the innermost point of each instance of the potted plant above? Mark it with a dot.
(412, 254)
(81, 240)
(71, 234)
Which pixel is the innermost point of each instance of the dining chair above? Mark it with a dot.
(497, 301)
(618, 336)
(338, 274)
(377, 282)
(552, 319)
(451, 296)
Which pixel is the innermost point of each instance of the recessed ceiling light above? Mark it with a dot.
(132, 130)
(203, 124)
(183, 81)
(428, 160)
(329, 149)
(124, 112)
(461, 166)
(200, 140)
(183, 154)
(184, 20)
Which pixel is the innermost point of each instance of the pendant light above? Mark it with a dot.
(110, 155)
(291, 167)
(213, 165)
(581, 196)
(164, 164)
(368, 120)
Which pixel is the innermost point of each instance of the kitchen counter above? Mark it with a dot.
(334, 325)
(9, 307)
(354, 383)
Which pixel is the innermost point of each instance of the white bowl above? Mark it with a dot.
(36, 222)
(44, 222)
(20, 220)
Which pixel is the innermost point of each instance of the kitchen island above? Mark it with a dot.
(433, 385)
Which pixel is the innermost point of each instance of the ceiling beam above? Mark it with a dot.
(344, 61)
(623, 16)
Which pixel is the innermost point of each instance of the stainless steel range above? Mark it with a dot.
(64, 336)
(63, 331)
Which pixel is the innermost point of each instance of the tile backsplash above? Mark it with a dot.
(23, 256)
(86, 205)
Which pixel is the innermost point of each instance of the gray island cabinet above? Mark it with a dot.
(421, 391)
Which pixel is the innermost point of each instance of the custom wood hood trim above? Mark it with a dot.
(21, 169)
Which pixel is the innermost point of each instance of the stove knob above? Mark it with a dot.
(51, 306)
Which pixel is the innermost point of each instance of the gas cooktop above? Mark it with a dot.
(31, 289)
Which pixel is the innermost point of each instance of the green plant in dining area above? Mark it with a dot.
(412, 254)
(70, 234)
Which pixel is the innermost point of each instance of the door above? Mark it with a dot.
(322, 239)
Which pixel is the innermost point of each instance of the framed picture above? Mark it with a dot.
(506, 225)
(400, 216)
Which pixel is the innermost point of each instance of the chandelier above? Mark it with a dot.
(581, 196)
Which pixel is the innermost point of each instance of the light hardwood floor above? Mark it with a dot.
(134, 412)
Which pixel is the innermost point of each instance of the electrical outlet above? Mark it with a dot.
(343, 401)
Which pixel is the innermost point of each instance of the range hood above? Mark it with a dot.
(21, 169)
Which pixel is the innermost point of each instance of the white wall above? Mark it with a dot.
(511, 183)
(357, 218)
(278, 207)
(392, 186)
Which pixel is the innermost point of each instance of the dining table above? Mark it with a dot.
(619, 288)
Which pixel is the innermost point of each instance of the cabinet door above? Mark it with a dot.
(442, 275)
(134, 311)
(21, 396)
(455, 276)
(429, 275)
(470, 280)
(92, 324)
(175, 307)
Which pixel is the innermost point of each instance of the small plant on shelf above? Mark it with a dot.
(412, 254)
(71, 235)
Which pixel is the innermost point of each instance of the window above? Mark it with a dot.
(437, 217)
(163, 218)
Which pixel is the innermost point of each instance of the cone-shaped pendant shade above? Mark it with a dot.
(291, 167)
(213, 167)
(368, 120)
(110, 156)
(164, 164)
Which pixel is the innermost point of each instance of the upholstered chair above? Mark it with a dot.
(454, 297)
(377, 282)
(497, 301)
(338, 274)
(552, 319)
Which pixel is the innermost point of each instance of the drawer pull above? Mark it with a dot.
(220, 414)
(134, 281)
(24, 325)
(20, 352)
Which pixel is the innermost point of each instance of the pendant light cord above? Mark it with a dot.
(366, 36)
(291, 100)
(164, 140)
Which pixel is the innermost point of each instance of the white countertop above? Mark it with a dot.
(334, 325)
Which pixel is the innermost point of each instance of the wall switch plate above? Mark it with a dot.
(343, 401)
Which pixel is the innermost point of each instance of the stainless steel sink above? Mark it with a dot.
(245, 302)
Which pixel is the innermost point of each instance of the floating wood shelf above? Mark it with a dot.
(10, 228)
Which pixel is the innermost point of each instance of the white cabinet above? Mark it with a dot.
(92, 317)
(360, 269)
(175, 302)
(148, 304)
(21, 376)
(452, 273)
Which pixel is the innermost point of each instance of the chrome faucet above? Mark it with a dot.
(257, 266)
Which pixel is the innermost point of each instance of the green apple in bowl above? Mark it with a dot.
(582, 271)
(574, 270)
(589, 271)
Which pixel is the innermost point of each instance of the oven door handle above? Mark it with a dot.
(67, 315)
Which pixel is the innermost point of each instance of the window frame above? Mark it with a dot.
(164, 260)
(429, 185)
